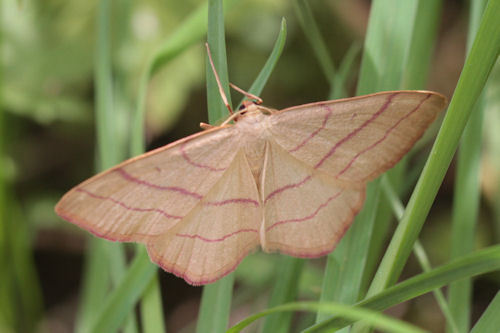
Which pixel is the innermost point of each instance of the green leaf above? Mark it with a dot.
(466, 196)
(285, 289)
(264, 74)
(383, 322)
(122, 300)
(490, 320)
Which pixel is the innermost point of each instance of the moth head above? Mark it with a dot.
(247, 108)
(251, 108)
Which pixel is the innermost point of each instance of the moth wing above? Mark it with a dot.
(150, 194)
(215, 236)
(356, 139)
(306, 212)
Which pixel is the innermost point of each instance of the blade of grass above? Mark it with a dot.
(386, 45)
(216, 297)
(285, 289)
(474, 75)
(350, 254)
(467, 194)
(217, 42)
(264, 74)
(97, 274)
(313, 34)
(420, 253)
(381, 321)
(490, 320)
(121, 301)
(422, 44)
(345, 72)
(151, 307)
(20, 294)
(476, 263)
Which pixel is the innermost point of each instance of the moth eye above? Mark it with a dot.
(242, 106)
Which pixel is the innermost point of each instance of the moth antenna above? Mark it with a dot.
(246, 93)
(221, 91)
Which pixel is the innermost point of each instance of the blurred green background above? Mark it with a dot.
(48, 137)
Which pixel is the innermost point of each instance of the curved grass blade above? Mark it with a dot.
(420, 253)
(490, 320)
(264, 74)
(383, 322)
(313, 34)
(123, 298)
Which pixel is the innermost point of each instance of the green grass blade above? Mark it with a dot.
(383, 322)
(490, 320)
(264, 74)
(216, 297)
(343, 284)
(215, 305)
(106, 146)
(424, 34)
(217, 43)
(474, 75)
(382, 67)
(151, 308)
(467, 195)
(476, 263)
(191, 31)
(285, 289)
(97, 274)
(313, 34)
(20, 294)
(345, 72)
(122, 300)
(420, 254)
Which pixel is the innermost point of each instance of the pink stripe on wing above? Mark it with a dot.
(383, 138)
(356, 131)
(135, 209)
(193, 163)
(231, 201)
(305, 218)
(287, 187)
(181, 190)
(213, 240)
(313, 134)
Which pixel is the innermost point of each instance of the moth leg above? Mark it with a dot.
(205, 126)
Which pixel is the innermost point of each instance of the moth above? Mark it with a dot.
(288, 180)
